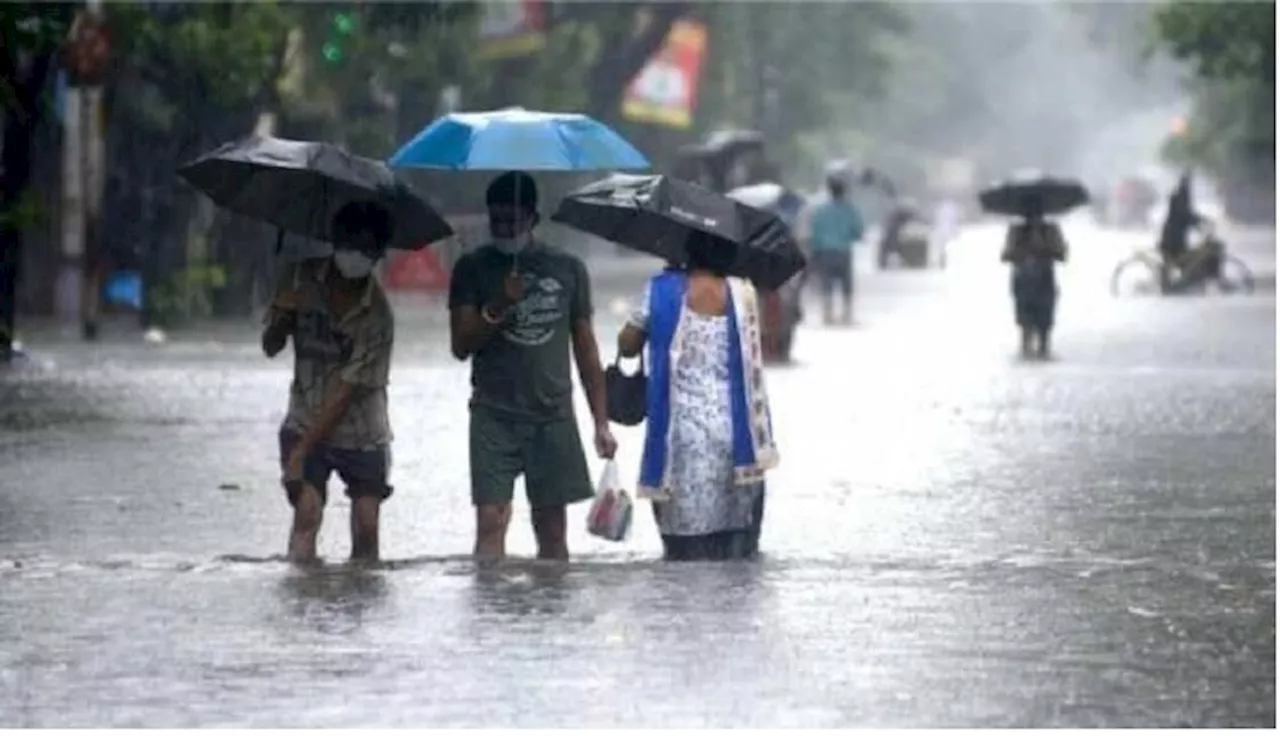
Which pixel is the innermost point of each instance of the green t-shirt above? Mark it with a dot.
(524, 371)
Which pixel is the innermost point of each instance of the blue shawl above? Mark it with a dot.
(753, 448)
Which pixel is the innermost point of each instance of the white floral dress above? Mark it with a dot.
(704, 499)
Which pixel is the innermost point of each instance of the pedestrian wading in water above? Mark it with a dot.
(1032, 247)
(516, 308)
(709, 434)
(342, 328)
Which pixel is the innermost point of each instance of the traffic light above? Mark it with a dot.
(342, 24)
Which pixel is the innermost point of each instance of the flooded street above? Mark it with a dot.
(954, 538)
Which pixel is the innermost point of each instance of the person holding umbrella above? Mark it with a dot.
(332, 308)
(516, 307)
(708, 441)
(342, 329)
(1032, 246)
(709, 435)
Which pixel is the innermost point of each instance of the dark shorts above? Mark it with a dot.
(548, 454)
(364, 471)
(834, 268)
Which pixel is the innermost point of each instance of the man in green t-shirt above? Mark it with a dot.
(516, 305)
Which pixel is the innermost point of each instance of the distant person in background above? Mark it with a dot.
(1178, 223)
(833, 229)
(946, 225)
(1032, 247)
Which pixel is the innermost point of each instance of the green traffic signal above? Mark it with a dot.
(344, 23)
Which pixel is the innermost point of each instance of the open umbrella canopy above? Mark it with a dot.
(1029, 193)
(299, 186)
(518, 139)
(656, 215)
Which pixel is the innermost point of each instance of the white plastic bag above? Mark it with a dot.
(610, 515)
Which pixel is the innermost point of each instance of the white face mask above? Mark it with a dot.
(514, 244)
(353, 265)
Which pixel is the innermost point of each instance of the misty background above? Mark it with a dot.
(941, 97)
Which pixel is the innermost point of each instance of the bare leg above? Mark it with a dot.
(1028, 341)
(491, 531)
(308, 514)
(364, 528)
(847, 288)
(1042, 351)
(550, 529)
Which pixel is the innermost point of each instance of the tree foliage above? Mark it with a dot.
(1225, 41)
(1232, 49)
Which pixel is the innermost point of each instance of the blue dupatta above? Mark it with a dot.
(753, 448)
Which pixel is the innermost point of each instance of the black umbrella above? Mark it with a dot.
(1022, 196)
(656, 214)
(299, 186)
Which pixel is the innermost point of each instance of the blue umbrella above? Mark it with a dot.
(518, 139)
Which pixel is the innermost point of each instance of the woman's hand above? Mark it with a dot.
(630, 341)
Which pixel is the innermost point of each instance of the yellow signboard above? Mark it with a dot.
(665, 92)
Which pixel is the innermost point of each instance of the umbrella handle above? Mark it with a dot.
(279, 241)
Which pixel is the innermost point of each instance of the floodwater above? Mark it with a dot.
(955, 537)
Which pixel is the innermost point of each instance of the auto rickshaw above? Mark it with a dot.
(905, 236)
(735, 160)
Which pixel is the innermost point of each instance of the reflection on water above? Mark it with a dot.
(334, 600)
(523, 588)
(1082, 543)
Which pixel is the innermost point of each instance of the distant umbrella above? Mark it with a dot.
(1027, 194)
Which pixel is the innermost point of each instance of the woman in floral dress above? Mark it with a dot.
(705, 451)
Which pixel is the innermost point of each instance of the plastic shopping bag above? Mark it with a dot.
(610, 515)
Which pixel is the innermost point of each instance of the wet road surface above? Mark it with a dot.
(955, 537)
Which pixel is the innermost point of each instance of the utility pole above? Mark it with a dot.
(95, 156)
(84, 55)
(70, 277)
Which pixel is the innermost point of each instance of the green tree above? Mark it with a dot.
(30, 34)
(1224, 41)
(1232, 49)
(187, 77)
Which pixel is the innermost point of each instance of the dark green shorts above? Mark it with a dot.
(549, 455)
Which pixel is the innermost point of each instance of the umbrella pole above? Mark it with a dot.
(279, 241)
(515, 258)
